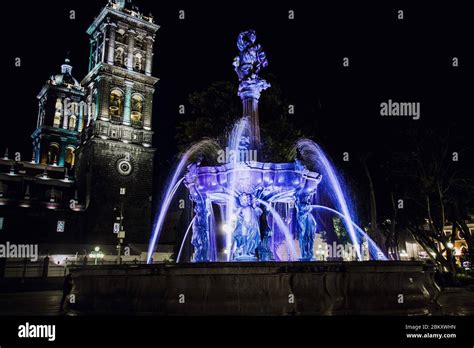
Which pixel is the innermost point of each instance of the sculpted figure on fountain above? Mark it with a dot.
(264, 249)
(306, 227)
(248, 63)
(200, 238)
(246, 235)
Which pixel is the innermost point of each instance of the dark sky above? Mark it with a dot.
(408, 61)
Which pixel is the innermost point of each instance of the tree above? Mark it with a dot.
(215, 110)
(419, 189)
(374, 231)
(437, 187)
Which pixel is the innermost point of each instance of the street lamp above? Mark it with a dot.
(118, 228)
(96, 254)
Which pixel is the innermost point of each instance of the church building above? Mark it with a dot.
(89, 179)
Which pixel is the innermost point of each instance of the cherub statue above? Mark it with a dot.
(251, 57)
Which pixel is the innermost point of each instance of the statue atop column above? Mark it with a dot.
(248, 63)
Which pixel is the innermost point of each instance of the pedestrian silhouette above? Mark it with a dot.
(67, 287)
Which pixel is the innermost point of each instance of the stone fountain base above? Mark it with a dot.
(263, 288)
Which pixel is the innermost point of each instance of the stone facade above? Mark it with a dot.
(92, 156)
(115, 152)
(100, 182)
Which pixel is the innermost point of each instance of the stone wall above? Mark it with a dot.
(310, 288)
(101, 182)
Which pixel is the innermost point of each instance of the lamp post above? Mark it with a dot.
(96, 254)
(121, 232)
(120, 236)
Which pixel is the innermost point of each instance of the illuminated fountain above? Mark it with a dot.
(256, 236)
(265, 211)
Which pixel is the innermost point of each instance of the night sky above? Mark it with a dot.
(407, 61)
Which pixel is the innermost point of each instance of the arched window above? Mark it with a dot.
(116, 105)
(58, 113)
(70, 157)
(74, 111)
(137, 62)
(67, 111)
(72, 122)
(119, 56)
(139, 44)
(75, 108)
(119, 37)
(137, 106)
(53, 153)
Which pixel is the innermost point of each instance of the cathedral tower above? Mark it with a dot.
(115, 158)
(60, 119)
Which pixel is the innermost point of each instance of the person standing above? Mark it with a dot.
(67, 288)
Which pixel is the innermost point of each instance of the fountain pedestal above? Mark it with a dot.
(263, 288)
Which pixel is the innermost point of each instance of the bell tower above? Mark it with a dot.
(60, 119)
(115, 157)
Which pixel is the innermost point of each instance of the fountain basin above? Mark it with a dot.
(263, 288)
(271, 178)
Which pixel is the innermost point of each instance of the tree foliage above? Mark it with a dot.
(429, 194)
(214, 111)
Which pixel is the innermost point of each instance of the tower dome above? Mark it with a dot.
(65, 78)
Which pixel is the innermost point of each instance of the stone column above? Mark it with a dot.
(250, 108)
(96, 49)
(249, 92)
(40, 108)
(80, 116)
(127, 104)
(103, 95)
(149, 55)
(66, 108)
(147, 108)
(90, 104)
(103, 45)
(111, 44)
(131, 45)
(91, 52)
